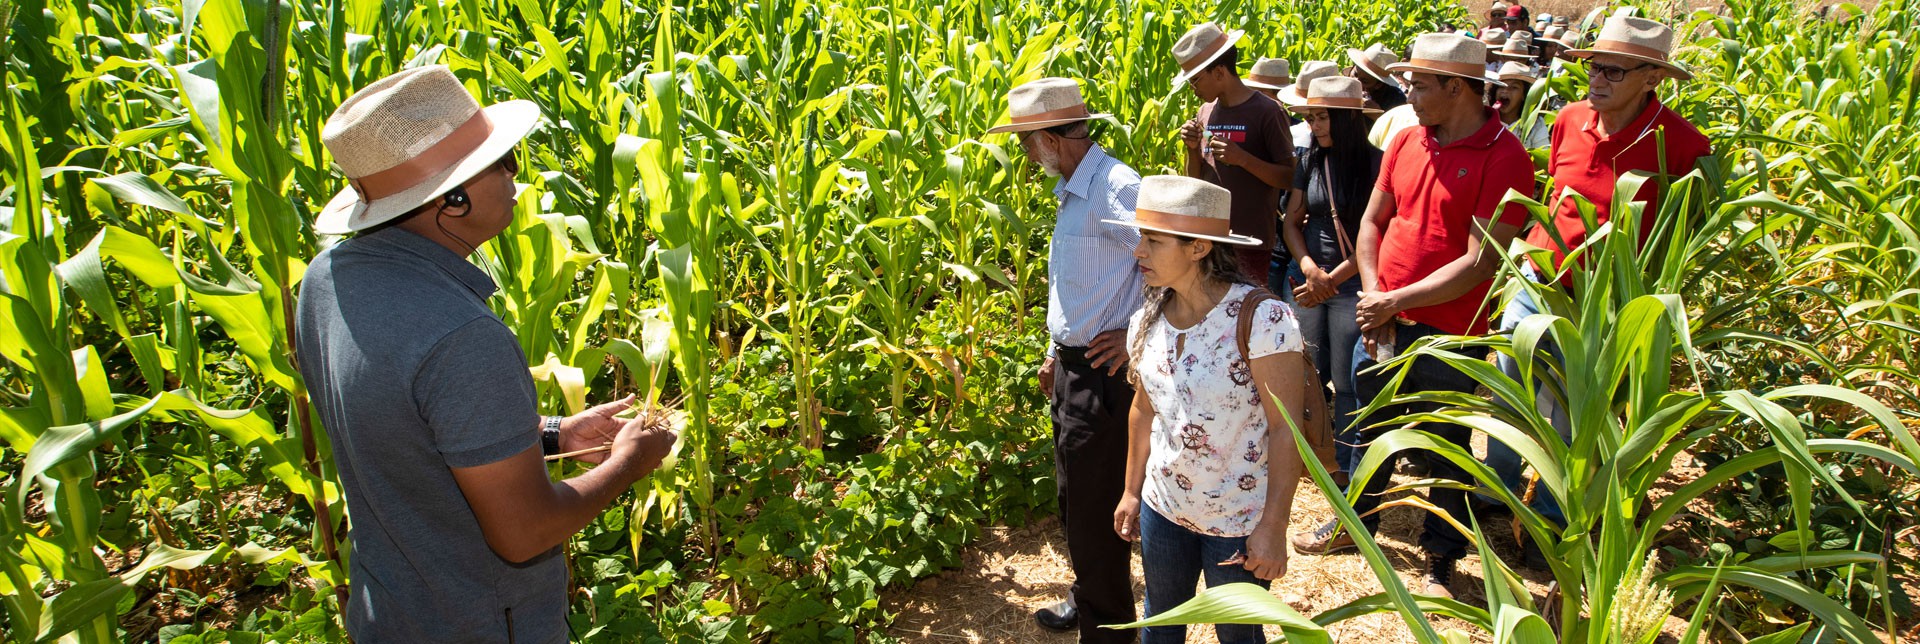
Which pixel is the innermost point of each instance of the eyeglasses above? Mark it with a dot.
(511, 162)
(1614, 74)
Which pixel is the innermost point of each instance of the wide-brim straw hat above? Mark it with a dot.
(1447, 55)
(1637, 38)
(1334, 93)
(1554, 36)
(410, 138)
(1374, 60)
(1044, 103)
(1517, 47)
(1296, 93)
(1512, 70)
(1199, 47)
(1269, 73)
(1187, 207)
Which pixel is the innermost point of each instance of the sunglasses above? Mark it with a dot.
(511, 161)
(1614, 74)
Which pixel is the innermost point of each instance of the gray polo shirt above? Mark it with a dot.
(413, 375)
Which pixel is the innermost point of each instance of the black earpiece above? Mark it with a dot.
(457, 198)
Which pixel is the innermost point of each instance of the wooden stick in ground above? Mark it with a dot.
(603, 448)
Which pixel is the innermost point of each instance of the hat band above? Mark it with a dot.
(449, 150)
(1270, 80)
(1205, 55)
(1618, 47)
(1183, 224)
(1336, 101)
(1069, 112)
(1450, 67)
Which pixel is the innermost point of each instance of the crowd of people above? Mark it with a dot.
(1322, 224)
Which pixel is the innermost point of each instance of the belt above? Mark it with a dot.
(1075, 355)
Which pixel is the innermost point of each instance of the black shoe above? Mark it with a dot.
(1439, 576)
(1058, 617)
(1532, 557)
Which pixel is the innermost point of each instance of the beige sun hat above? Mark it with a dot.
(1637, 38)
(1200, 46)
(1493, 36)
(1296, 93)
(1269, 73)
(1447, 55)
(1187, 207)
(409, 138)
(1336, 93)
(1374, 60)
(1517, 47)
(1513, 70)
(1554, 35)
(1044, 103)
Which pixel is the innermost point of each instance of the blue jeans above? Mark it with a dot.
(1438, 538)
(1331, 331)
(1173, 558)
(1503, 459)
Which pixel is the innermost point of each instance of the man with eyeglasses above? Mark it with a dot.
(1621, 128)
(1093, 287)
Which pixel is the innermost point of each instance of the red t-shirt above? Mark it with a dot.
(1439, 192)
(1587, 163)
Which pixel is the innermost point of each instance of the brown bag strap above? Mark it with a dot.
(1339, 228)
(1244, 333)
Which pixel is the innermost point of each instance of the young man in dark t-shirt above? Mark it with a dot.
(1238, 141)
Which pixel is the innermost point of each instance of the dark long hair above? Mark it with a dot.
(1350, 158)
(1220, 266)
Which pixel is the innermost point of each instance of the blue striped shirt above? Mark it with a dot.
(1093, 283)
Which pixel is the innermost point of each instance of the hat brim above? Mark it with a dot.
(1678, 72)
(1552, 41)
(1408, 68)
(1041, 125)
(1233, 37)
(346, 213)
(1303, 108)
(1259, 85)
(1237, 240)
(1290, 97)
(1360, 62)
(1504, 54)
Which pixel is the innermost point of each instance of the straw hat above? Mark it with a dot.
(1269, 73)
(1335, 93)
(409, 138)
(1447, 55)
(1636, 38)
(1374, 60)
(1493, 36)
(1199, 47)
(1500, 7)
(1296, 94)
(1555, 36)
(1044, 103)
(1187, 207)
(1519, 47)
(1516, 71)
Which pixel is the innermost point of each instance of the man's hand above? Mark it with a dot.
(1109, 349)
(1375, 308)
(1191, 134)
(1126, 518)
(592, 428)
(1319, 287)
(639, 447)
(1046, 378)
(1230, 153)
(1267, 550)
(1374, 338)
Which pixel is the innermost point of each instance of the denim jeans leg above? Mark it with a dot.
(1342, 332)
(1214, 550)
(1366, 387)
(1170, 558)
(1502, 459)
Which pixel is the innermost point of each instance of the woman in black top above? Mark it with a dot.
(1330, 191)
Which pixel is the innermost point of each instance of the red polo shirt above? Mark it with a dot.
(1439, 192)
(1587, 163)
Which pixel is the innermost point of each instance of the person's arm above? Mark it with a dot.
(1126, 517)
(1291, 232)
(1457, 277)
(523, 514)
(1276, 367)
(1193, 134)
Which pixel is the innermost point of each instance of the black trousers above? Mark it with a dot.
(1090, 464)
(1438, 538)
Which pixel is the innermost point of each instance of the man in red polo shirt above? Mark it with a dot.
(1428, 247)
(1622, 127)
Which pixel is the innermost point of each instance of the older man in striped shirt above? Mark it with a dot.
(1093, 287)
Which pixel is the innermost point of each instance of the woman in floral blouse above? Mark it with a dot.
(1200, 497)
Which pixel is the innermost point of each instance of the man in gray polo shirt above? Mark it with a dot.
(425, 394)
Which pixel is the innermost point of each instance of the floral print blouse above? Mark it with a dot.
(1207, 465)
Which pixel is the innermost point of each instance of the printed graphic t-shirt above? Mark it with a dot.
(1258, 125)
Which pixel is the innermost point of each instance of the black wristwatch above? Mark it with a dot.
(549, 435)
